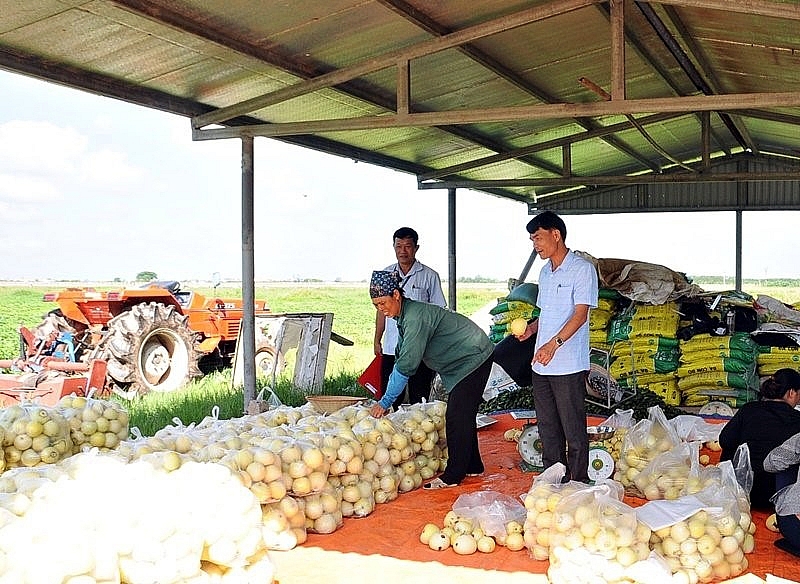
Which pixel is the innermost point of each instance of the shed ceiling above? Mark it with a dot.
(550, 102)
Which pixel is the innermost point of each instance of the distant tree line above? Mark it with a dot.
(776, 282)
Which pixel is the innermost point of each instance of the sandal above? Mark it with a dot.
(437, 483)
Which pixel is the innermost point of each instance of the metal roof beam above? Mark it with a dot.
(770, 8)
(418, 18)
(543, 111)
(615, 180)
(391, 59)
(697, 78)
(187, 22)
(549, 144)
(645, 53)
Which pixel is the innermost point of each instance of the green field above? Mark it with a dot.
(349, 303)
(354, 315)
(353, 318)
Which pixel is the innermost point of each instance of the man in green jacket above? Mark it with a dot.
(457, 349)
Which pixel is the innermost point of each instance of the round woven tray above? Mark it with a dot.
(327, 404)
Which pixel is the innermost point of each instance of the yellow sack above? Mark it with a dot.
(606, 304)
(598, 319)
(773, 358)
(713, 379)
(772, 368)
(646, 345)
(647, 379)
(705, 342)
(645, 311)
(654, 327)
(666, 390)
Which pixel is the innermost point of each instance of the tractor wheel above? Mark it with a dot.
(150, 348)
(265, 362)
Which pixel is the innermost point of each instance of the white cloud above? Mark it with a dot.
(107, 167)
(40, 147)
(21, 189)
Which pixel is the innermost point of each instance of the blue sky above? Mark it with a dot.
(93, 188)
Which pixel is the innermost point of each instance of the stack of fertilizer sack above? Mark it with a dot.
(778, 335)
(520, 303)
(600, 317)
(719, 368)
(644, 349)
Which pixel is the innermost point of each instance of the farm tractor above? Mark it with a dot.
(154, 338)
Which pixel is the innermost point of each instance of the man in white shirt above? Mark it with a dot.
(419, 282)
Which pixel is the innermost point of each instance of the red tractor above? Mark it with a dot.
(155, 338)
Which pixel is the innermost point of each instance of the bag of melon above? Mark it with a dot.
(94, 423)
(490, 510)
(284, 524)
(666, 476)
(34, 435)
(597, 520)
(642, 443)
(540, 503)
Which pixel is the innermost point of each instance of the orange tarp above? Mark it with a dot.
(393, 529)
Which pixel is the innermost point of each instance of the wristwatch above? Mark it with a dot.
(559, 341)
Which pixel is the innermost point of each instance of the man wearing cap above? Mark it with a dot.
(419, 282)
(567, 290)
(449, 343)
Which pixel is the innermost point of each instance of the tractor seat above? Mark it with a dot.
(172, 285)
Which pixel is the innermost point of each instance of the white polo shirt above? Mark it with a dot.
(573, 282)
(420, 283)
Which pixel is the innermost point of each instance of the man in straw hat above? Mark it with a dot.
(451, 344)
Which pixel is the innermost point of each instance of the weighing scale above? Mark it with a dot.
(529, 446)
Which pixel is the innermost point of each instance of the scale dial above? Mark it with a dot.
(530, 445)
(716, 408)
(601, 464)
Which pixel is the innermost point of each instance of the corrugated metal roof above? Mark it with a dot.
(506, 96)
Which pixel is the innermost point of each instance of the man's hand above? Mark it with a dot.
(377, 411)
(530, 330)
(376, 346)
(545, 353)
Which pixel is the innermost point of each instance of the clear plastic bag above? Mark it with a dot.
(491, 510)
(595, 528)
(694, 428)
(642, 443)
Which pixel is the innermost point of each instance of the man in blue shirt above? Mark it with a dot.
(567, 290)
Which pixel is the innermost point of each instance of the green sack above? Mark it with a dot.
(525, 292)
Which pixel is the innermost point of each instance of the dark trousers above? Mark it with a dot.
(561, 417)
(463, 454)
(419, 384)
(789, 525)
(515, 357)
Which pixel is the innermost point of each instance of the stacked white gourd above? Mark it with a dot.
(197, 503)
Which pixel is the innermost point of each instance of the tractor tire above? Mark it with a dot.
(266, 362)
(149, 348)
